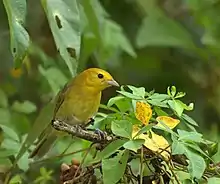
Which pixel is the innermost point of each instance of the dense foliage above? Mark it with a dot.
(144, 43)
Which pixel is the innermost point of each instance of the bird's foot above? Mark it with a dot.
(100, 133)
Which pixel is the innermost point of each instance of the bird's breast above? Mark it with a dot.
(78, 108)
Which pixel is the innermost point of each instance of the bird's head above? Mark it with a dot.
(97, 78)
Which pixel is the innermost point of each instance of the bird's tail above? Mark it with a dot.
(44, 145)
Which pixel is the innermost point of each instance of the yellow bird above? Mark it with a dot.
(76, 103)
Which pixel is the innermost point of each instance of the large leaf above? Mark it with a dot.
(112, 30)
(122, 128)
(189, 136)
(137, 91)
(111, 148)
(64, 20)
(134, 145)
(189, 119)
(213, 180)
(90, 12)
(197, 163)
(54, 76)
(16, 12)
(159, 30)
(114, 168)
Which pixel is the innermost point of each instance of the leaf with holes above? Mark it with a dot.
(134, 145)
(16, 12)
(197, 163)
(122, 128)
(64, 20)
(114, 168)
(111, 148)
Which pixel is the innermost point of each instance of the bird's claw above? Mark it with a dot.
(100, 133)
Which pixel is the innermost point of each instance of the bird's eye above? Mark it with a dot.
(100, 76)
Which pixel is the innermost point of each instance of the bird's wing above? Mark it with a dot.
(60, 98)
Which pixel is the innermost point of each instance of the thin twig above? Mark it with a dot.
(141, 165)
(87, 152)
(60, 155)
(176, 178)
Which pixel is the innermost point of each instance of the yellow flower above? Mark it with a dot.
(143, 112)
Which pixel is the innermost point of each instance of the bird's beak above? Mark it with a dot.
(112, 82)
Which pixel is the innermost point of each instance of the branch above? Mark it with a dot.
(78, 131)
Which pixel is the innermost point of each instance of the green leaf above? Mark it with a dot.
(112, 30)
(90, 10)
(213, 180)
(157, 96)
(130, 95)
(159, 30)
(114, 168)
(197, 164)
(195, 147)
(55, 78)
(137, 91)
(159, 111)
(178, 148)
(26, 107)
(171, 91)
(113, 100)
(189, 119)
(16, 180)
(64, 20)
(16, 12)
(3, 99)
(134, 145)
(5, 116)
(177, 107)
(189, 136)
(41, 122)
(111, 148)
(9, 132)
(23, 162)
(124, 104)
(6, 152)
(186, 107)
(10, 144)
(5, 162)
(158, 100)
(21, 123)
(122, 128)
(180, 95)
(145, 129)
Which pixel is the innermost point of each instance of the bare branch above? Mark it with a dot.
(78, 131)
